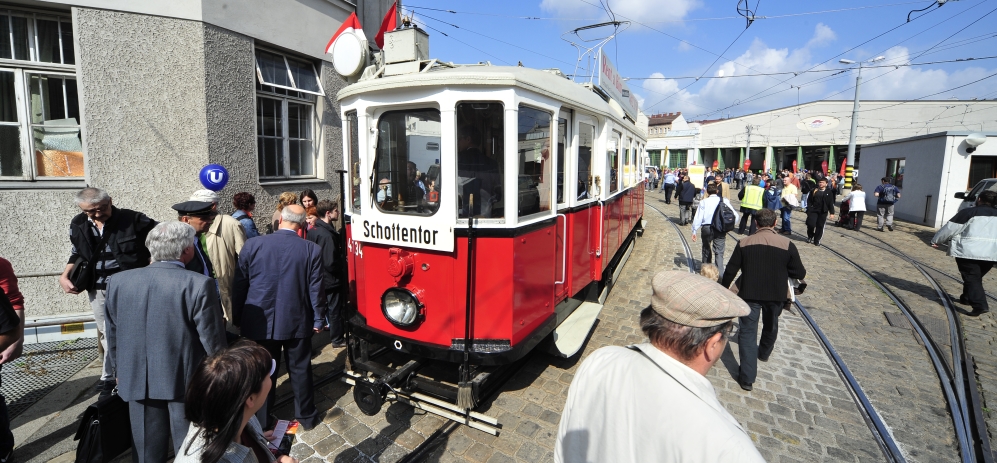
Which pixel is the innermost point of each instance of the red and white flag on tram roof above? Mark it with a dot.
(389, 23)
(351, 25)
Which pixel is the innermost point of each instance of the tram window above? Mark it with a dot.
(534, 154)
(353, 133)
(562, 143)
(613, 162)
(480, 159)
(406, 173)
(586, 135)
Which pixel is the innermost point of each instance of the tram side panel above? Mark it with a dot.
(533, 276)
(580, 248)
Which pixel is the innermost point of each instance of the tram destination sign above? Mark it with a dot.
(404, 232)
(612, 84)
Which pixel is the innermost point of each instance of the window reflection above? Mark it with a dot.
(534, 161)
(407, 172)
(586, 188)
(480, 160)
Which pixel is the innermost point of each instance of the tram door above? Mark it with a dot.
(561, 265)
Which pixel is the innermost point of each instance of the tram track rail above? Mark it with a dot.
(958, 382)
(881, 434)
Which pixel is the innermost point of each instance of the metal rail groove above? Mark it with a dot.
(691, 262)
(945, 377)
(884, 438)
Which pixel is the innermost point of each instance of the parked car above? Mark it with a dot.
(969, 198)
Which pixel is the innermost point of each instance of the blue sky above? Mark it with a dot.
(681, 38)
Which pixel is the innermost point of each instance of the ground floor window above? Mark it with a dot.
(981, 167)
(286, 124)
(678, 159)
(895, 169)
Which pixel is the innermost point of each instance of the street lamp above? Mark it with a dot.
(850, 163)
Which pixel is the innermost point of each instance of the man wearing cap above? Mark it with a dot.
(652, 401)
(222, 243)
(766, 260)
(198, 214)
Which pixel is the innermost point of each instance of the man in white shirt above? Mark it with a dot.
(713, 242)
(652, 401)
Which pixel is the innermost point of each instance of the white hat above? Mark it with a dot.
(205, 195)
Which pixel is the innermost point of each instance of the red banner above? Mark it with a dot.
(794, 166)
(823, 166)
(843, 163)
(716, 164)
(747, 164)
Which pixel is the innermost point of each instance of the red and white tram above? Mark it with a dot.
(485, 205)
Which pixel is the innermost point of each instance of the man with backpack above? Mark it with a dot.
(886, 196)
(806, 186)
(716, 217)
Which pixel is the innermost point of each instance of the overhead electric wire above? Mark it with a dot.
(427, 26)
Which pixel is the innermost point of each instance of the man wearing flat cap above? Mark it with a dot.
(222, 243)
(652, 401)
(200, 215)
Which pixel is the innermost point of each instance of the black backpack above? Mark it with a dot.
(723, 219)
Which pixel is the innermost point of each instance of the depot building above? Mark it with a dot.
(136, 97)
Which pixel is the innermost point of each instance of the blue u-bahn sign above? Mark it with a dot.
(214, 177)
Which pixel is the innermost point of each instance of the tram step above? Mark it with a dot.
(571, 334)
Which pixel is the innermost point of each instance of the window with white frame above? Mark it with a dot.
(39, 102)
(286, 125)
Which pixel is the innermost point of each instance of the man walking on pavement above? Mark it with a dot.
(713, 242)
(124, 249)
(687, 325)
(280, 304)
(162, 320)
(686, 193)
(333, 266)
(222, 242)
(766, 262)
(820, 206)
(668, 186)
(972, 238)
(886, 196)
(789, 202)
(751, 202)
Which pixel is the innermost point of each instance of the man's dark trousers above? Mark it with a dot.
(713, 245)
(973, 272)
(669, 189)
(332, 315)
(815, 225)
(747, 218)
(153, 422)
(6, 437)
(748, 347)
(298, 355)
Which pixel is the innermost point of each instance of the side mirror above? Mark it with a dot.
(960, 195)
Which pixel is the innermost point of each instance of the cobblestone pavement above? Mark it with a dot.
(799, 410)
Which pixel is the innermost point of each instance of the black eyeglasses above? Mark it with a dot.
(97, 208)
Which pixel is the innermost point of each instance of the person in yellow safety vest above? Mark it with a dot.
(751, 202)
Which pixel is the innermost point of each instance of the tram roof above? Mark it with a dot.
(534, 80)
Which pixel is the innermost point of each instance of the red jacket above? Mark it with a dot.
(9, 284)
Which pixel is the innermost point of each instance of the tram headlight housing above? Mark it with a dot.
(401, 307)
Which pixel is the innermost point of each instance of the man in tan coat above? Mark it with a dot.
(223, 242)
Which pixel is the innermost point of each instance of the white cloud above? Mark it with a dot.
(909, 82)
(759, 58)
(645, 11)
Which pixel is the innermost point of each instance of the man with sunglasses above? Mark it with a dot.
(124, 248)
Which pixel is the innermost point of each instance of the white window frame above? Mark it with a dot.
(32, 33)
(285, 137)
(30, 126)
(290, 76)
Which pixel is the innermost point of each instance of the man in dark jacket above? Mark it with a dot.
(279, 302)
(972, 238)
(333, 266)
(820, 206)
(124, 250)
(685, 193)
(766, 260)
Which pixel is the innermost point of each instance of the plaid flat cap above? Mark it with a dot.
(693, 300)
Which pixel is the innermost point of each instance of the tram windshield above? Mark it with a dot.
(480, 165)
(407, 166)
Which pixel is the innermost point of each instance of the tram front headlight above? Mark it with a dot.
(400, 307)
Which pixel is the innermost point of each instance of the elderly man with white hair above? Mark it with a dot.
(162, 320)
(222, 242)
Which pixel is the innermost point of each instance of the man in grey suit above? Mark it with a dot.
(162, 320)
(283, 305)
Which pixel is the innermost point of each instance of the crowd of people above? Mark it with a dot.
(194, 316)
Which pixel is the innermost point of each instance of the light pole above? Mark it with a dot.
(850, 162)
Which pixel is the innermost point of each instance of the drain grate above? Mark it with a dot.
(41, 368)
(898, 320)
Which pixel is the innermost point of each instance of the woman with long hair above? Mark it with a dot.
(222, 399)
(308, 199)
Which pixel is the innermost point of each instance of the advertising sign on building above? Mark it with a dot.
(612, 84)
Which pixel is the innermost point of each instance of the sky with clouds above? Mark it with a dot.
(668, 44)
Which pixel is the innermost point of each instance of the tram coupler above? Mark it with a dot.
(370, 395)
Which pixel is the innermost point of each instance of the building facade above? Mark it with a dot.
(136, 97)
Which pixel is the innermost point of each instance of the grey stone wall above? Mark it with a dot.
(160, 97)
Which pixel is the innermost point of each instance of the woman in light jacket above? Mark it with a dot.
(222, 399)
(856, 207)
